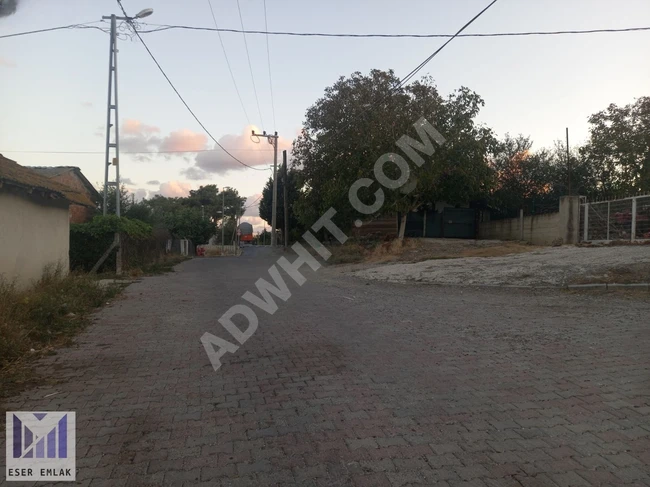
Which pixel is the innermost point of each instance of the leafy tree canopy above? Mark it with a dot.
(619, 147)
(361, 117)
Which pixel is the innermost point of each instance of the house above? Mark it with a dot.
(34, 222)
(73, 177)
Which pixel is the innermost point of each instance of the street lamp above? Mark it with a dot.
(143, 13)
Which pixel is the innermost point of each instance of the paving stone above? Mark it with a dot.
(479, 386)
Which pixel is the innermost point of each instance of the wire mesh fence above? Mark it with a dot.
(626, 219)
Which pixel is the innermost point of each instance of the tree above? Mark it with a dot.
(188, 222)
(535, 181)
(235, 204)
(125, 200)
(360, 118)
(266, 202)
(619, 147)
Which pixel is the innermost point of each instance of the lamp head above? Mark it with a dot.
(144, 13)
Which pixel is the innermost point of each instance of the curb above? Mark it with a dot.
(605, 286)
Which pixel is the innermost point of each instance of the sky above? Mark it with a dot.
(53, 86)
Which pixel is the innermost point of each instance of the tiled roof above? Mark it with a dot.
(54, 171)
(12, 173)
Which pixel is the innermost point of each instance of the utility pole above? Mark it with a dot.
(568, 160)
(273, 140)
(286, 200)
(112, 114)
(223, 217)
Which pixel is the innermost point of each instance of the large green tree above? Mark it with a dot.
(360, 118)
(619, 147)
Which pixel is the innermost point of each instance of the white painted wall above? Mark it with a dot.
(33, 234)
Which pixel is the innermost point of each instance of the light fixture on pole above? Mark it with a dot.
(143, 13)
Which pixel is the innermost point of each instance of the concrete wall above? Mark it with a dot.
(538, 229)
(545, 229)
(34, 232)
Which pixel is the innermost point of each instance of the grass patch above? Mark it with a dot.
(35, 321)
(348, 253)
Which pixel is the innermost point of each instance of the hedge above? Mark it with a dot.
(89, 241)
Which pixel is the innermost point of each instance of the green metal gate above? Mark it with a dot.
(459, 223)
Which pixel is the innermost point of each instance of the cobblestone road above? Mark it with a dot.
(355, 383)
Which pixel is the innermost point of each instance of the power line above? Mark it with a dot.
(232, 76)
(253, 203)
(164, 27)
(268, 58)
(250, 66)
(85, 25)
(128, 152)
(181, 97)
(435, 53)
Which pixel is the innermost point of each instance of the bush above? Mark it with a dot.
(55, 308)
(89, 241)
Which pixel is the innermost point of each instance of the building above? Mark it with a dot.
(73, 177)
(34, 222)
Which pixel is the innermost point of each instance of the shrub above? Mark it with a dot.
(55, 308)
(89, 241)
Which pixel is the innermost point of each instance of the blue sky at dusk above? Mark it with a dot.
(53, 86)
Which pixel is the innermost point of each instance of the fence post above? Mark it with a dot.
(521, 224)
(609, 204)
(633, 233)
(424, 225)
(585, 236)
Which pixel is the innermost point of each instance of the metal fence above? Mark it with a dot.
(624, 219)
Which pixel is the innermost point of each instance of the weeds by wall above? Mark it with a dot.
(52, 310)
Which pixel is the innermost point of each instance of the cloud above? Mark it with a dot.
(7, 63)
(137, 136)
(184, 141)
(136, 127)
(154, 182)
(127, 181)
(174, 189)
(252, 205)
(242, 147)
(195, 174)
(139, 194)
(87, 104)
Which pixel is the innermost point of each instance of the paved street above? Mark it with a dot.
(356, 383)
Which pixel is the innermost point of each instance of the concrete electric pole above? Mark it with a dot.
(273, 140)
(112, 114)
(285, 197)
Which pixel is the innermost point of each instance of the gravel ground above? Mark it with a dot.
(554, 266)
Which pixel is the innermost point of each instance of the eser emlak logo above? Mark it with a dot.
(41, 446)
